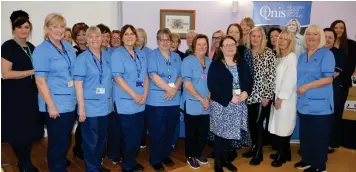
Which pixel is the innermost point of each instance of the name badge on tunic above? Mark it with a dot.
(139, 84)
(236, 92)
(100, 90)
(70, 83)
(172, 85)
(204, 77)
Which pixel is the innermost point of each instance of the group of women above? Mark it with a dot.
(117, 88)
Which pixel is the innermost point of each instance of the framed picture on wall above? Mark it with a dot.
(178, 21)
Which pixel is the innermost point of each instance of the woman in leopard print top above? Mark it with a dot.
(262, 90)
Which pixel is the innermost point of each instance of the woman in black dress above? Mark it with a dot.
(21, 123)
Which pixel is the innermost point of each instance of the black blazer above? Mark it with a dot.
(220, 81)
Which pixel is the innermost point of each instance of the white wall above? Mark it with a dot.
(214, 15)
(92, 13)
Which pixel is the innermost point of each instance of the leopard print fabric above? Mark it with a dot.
(264, 76)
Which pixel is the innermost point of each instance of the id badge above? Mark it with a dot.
(236, 92)
(100, 90)
(70, 83)
(172, 85)
(204, 77)
(139, 84)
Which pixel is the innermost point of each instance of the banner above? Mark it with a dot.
(281, 12)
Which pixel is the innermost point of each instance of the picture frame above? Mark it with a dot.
(178, 21)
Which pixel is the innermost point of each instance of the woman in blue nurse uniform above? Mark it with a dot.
(129, 67)
(196, 101)
(53, 61)
(164, 99)
(315, 102)
(92, 75)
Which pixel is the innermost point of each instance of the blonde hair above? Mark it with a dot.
(144, 34)
(176, 35)
(316, 28)
(263, 41)
(248, 21)
(92, 29)
(296, 21)
(221, 32)
(51, 19)
(291, 45)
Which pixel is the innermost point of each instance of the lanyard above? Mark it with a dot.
(138, 67)
(29, 54)
(202, 66)
(65, 56)
(168, 63)
(101, 71)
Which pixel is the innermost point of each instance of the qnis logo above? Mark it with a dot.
(267, 13)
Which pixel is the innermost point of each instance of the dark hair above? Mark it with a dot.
(68, 29)
(124, 29)
(103, 28)
(18, 18)
(77, 28)
(331, 30)
(240, 31)
(116, 31)
(195, 40)
(343, 39)
(269, 42)
(220, 55)
(164, 31)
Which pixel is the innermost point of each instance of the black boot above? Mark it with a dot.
(284, 152)
(258, 158)
(228, 165)
(251, 152)
(275, 155)
(232, 154)
(218, 166)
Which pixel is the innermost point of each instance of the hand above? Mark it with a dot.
(53, 112)
(302, 89)
(243, 96)
(137, 98)
(205, 102)
(172, 91)
(265, 102)
(277, 103)
(235, 99)
(82, 116)
(143, 101)
(168, 96)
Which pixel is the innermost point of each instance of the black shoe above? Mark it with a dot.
(228, 165)
(78, 154)
(280, 160)
(103, 169)
(68, 162)
(331, 150)
(168, 162)
(143, 144)
(302, 166)
(158, 167)
(311, 169)
(31, 169)
(251, 152)
(218, 165)
(274, 156)
(232, 154)
(138, 167)
(258, 158)
(211, 155)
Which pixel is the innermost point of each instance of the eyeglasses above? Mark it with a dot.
(165, 40)
(217, 38)
(229, 46)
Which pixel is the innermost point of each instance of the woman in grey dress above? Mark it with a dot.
(230, 83)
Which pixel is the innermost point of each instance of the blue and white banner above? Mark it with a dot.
(280, 12)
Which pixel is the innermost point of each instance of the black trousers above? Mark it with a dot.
(23, 153)
(336, 123)
(314, 139)
(255, 122)
(221, 147)
(78, 135)
(196, 133)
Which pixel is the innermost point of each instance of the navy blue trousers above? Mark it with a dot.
(131, 127)
(114, 137)
(162, 121)
(59, 139)
(94, 133)
(314, 132)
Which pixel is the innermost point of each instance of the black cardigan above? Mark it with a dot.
(220, 81)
